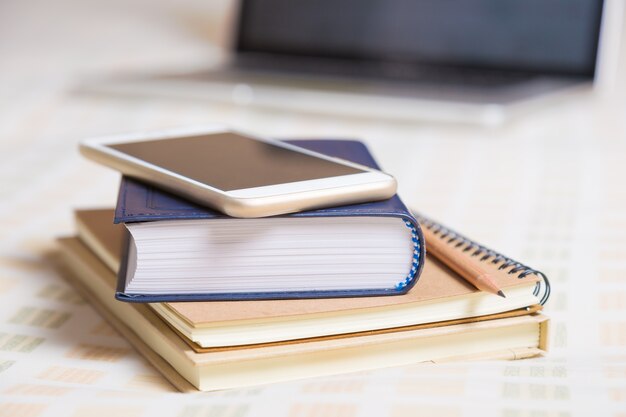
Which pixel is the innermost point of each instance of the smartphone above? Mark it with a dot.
(239, 174)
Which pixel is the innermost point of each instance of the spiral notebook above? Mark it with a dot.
(440, 295)
(495, 262)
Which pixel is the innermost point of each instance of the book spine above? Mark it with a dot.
(415, 260)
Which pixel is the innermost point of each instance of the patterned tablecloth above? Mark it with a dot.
(547, 189)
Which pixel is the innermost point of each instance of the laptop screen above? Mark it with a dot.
(535, 36)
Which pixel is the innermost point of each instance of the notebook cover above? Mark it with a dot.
(436, 282)
(530, 310)
(140, 202)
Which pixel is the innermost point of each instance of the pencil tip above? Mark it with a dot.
(501, 294)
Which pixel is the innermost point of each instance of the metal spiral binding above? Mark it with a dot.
(542, 289)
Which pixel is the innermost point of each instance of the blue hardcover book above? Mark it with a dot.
(180, 251)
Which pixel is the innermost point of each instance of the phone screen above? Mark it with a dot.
(228, 161)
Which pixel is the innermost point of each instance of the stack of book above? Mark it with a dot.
(215, 302)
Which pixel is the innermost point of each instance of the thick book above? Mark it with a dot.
(232, 367)
(179, 251)
(440, 298)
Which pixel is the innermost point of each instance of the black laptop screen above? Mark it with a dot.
(544, 36)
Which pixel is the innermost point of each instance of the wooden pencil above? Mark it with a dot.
(461, 263)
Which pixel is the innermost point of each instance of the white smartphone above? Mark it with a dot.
(239, 174)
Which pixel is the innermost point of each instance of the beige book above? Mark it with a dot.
(440, 295)
(221, 368)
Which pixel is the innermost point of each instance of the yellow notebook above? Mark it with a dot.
(440, 295)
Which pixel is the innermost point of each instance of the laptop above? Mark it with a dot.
(476, 61)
